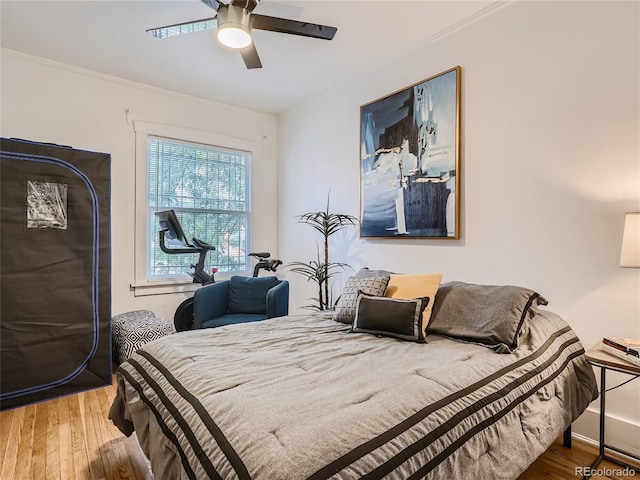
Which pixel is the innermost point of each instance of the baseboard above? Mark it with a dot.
(618, 432)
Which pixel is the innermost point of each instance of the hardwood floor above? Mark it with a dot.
(68, 438)
(71, 438)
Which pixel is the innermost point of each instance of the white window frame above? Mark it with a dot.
(143, 285)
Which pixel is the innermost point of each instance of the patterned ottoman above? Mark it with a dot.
(132, 330)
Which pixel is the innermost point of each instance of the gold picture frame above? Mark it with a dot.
(410, 161)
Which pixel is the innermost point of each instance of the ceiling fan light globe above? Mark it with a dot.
(234, 36)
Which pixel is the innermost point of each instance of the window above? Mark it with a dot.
(206, 178)
(207, 187)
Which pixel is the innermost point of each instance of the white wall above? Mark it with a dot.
(49, 102)
(550, 163)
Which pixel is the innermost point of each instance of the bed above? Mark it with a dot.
(304, 397)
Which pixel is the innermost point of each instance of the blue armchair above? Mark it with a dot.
(240, 300)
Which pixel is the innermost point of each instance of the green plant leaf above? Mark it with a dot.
(327, 224)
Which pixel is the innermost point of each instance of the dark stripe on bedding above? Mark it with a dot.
(182, 423)
(434, 462)
(224, 444)
(525, 312)
(447, 426)
(163, 426)
(377, 442)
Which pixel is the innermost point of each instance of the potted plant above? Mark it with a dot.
(320, 271)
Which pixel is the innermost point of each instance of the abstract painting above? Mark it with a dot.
(409, 161)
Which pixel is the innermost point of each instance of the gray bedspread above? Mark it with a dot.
(300, 397)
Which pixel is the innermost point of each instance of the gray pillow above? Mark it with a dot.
(365, 272)
(391, 317)
(346, 304)
(487, 314)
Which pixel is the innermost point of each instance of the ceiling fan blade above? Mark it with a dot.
(215, 4)
(181, 28)
(250, 56)
(248, 5)
(294, 27)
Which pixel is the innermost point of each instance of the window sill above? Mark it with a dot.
(162, 288)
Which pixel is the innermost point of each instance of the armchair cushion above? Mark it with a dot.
(249, 294)
(233, 318)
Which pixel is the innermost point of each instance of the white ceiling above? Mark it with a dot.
(109, 37)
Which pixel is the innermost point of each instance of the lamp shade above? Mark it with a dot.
(630, 255)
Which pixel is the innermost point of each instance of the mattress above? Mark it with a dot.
(300, 397)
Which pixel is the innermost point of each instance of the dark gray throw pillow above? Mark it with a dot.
(365, 272)
(391, 317)
(491, 315)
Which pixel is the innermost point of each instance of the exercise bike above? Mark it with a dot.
(171, 232)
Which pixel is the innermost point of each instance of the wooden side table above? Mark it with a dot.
(599, 358)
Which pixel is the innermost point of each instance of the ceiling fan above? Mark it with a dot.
(236, 19)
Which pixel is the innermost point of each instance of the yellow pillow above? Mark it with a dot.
(408, 287)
